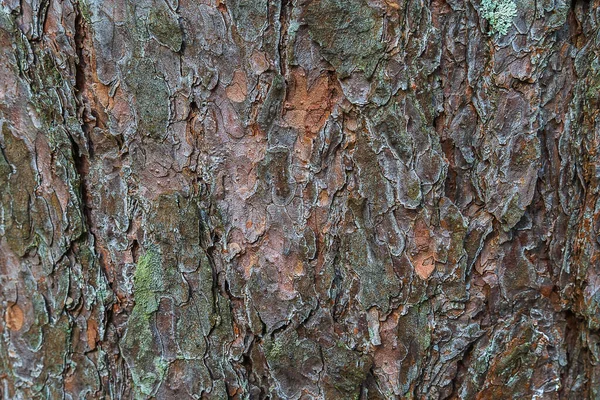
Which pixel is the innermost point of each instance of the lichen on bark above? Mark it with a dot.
(302, 199)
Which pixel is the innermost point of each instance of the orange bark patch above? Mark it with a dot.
(299, 270)
(308, 107)
(423, 254)
(14, 317)
(393, 4)
(238, 88)
(259, 62)
(248, 262)
(424, 265)
(92, 333)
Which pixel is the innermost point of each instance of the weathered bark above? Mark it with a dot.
(334, 199)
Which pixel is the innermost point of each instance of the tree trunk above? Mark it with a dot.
(326, 199)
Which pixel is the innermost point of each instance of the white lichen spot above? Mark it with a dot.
(499, 13)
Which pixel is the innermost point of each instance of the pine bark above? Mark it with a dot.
(299, 199)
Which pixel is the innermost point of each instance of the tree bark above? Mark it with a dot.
(326, 199)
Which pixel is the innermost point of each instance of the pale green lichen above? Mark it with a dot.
(147, 281)
(139, 344)
(164, 26)
(349, 33)
(499, 13)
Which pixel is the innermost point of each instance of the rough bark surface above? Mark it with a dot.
(334, 199)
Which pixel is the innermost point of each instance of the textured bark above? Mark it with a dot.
(334, 199)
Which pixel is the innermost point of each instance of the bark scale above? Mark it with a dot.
(252, 199)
